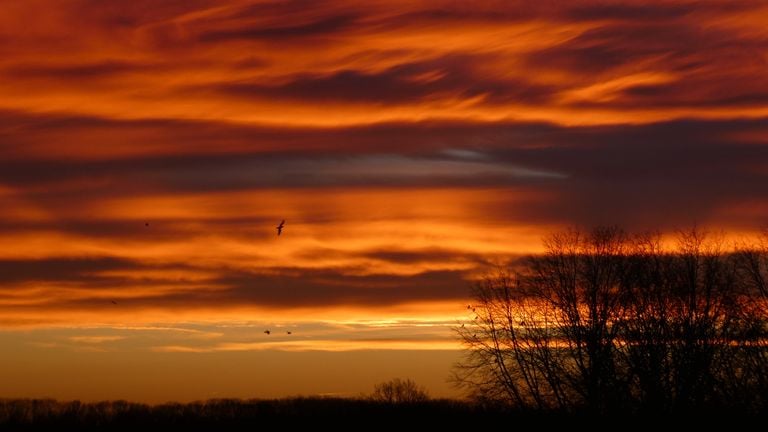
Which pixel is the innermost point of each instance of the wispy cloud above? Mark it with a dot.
(149, 150)
(320, 345)
(95, 339)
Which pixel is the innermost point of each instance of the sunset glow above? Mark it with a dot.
(149, 148)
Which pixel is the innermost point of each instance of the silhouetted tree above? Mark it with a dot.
(607, 321)
(753, 271)
(399, 391)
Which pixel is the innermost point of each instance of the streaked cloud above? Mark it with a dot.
(95, 339)
(149, 149)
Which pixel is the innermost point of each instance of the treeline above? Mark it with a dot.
(362, 413)
(607, 322)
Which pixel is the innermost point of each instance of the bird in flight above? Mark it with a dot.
(113, 302)
(288, 332)
(280, 227)
(146, 224)
(267, 332)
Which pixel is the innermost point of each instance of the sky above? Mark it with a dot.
(149, 148)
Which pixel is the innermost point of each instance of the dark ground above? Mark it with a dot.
(320, 414)
(235, 414)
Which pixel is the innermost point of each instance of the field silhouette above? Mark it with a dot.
(336, 413)
(229, 414)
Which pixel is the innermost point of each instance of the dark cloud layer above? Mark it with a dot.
(658, 174)
(59, 269)
(281, 32)
(273, 287)
(449, 76)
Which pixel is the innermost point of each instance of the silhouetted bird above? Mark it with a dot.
(146, 224)
(288, 332)
(280, 227)
(267, 332)
(113, 302)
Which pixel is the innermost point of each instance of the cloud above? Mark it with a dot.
(452, 77)
(277, 33)
(88, 283)
(683, 51)
(60, 269)
(318, 345)
(409, 145)
(78, 71)
(663, 174)
(637, 12)
(513, 59)
(303, 287)
(511, 55)
(95, 339)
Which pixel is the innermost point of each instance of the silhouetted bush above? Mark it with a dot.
(399, 391)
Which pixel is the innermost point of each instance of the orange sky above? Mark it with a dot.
(410, 146)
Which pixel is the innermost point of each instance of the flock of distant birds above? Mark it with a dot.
(269, 332)
(279, 231)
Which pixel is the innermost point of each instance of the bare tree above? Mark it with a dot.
(511, 353)
(399, 391)
(752, 266)
(607, 321)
